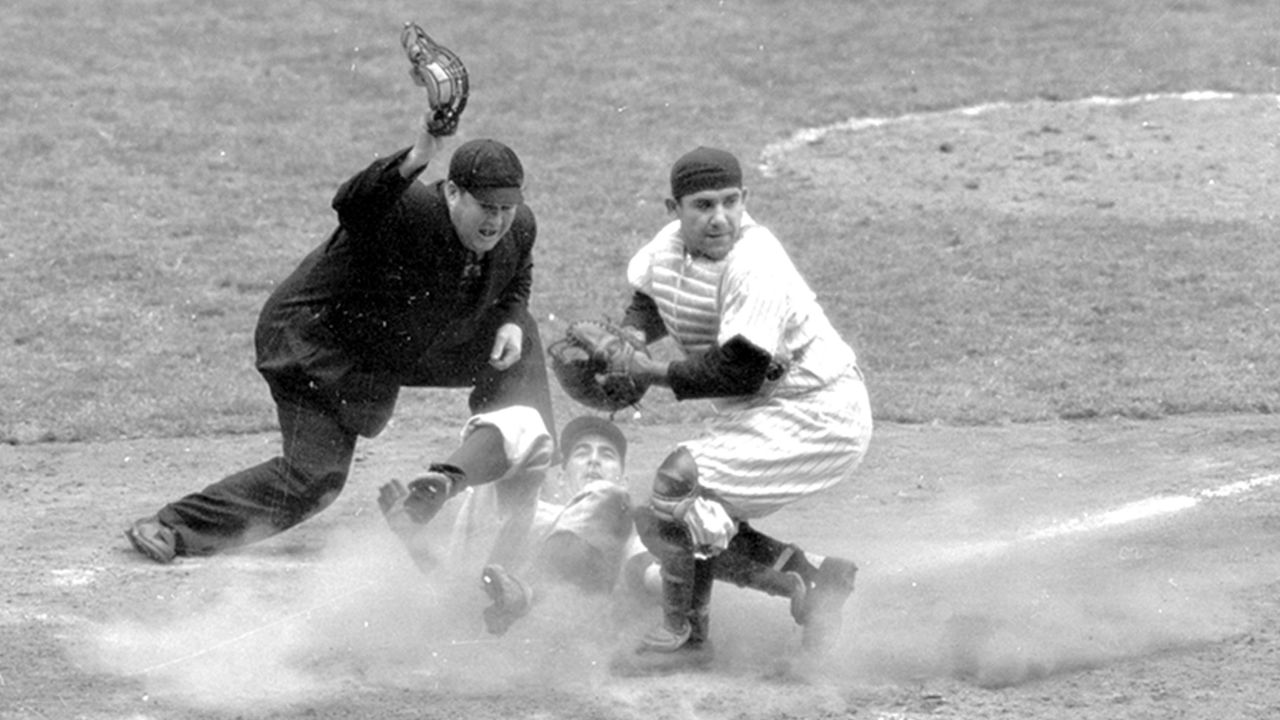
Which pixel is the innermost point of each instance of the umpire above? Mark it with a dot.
(422, 285)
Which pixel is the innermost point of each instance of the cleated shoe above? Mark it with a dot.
(663, 651)
(799, 597)
(154, 539)
(427, 494)
(823, 609)
(663, 639)
(690, 657)
(511, 599)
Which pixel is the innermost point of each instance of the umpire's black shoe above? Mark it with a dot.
(824, 601)
(154, 539)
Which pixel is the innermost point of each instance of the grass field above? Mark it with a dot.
(167, 162)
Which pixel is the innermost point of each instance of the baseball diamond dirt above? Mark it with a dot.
(1103, 569)
(1089, 569)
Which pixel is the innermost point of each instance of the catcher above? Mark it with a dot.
(793, 413)
(420, 284)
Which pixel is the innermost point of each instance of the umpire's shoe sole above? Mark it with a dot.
(154, 539)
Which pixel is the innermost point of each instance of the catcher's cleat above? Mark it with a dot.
(823, 606)
(511, 599)
(663, 651)
(799, 597)
(154, 539)
(663, 639)
(439, 70)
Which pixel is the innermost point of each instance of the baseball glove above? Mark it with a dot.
(436, 68)
(592, 363)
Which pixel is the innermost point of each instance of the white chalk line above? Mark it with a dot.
(1150, 508)
(808, 136)
(1138, 510)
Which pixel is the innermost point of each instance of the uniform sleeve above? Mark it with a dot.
(364, 200)
(735, 368)
(755, 300)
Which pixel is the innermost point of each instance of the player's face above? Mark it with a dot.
(593, 457)
(480, 226)
(711, 220)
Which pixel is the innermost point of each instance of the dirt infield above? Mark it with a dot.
(1076, 570)
(1198, 156)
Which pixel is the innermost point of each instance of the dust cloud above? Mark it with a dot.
(263, 632)
(1031, 611)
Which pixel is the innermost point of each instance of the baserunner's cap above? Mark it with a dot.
(488, 170)
(584, 425)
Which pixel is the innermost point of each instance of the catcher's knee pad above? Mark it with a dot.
(675, 483)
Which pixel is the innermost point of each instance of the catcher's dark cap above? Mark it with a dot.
(704, 169)
(488, 170)
(591, 425)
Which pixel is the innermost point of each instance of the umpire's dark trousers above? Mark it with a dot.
(319, 427)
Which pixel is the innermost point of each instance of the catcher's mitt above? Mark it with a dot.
(591, 363)
(436, 68)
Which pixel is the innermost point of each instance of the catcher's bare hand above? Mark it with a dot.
(647, 369)
(608, 347)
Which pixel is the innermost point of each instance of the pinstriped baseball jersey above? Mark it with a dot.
(803, 431)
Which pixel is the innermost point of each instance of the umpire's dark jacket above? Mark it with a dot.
(393, 297)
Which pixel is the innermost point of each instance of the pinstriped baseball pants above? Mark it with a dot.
(776, 450)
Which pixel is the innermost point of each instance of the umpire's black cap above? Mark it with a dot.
(488, 170)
